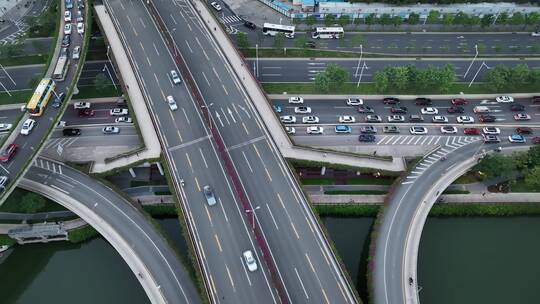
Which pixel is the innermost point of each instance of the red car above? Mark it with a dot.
(471, 131)
(524, 130)
(86, 113)
(459, 101)
(535, 99)
(391, 100)
(8, 153)
(535, 140)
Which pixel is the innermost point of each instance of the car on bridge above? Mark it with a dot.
(471, 131)
(396, 118)
(487, 118)
(302, 110)
(354, 101)
(366, 138)
(296, 99)
(418, 130)
(439, 119)
(310, 119)
(429, 111)
(209, 195)
(175, 77)
(67, 29)
(448, 130)
(28, 126)
(172, 103)
(504, 99)
(368, 130)
(491, 130)
(110, 130)
(57, 102)
(365, 109)
(315, 130)
(524, 130)
(522, 116)
(390, 129)
(287, 119)
(423, 101)
(343, 129)
(71, 132)
(346, 119)
(491, 139)
(465, 119)
(391, 100)
(66, 41)
(459, 101)
(81, 105)
(455, 109)
(80, 28)
(250, 261)
(373, 118)
(8, 153)
(516, 138)
(398, 110)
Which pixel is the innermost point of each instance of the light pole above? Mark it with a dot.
(477, 72)
(252, 211)
(207, 107)
(359, 59)
(257, 59)
(361, 73)
(470, 65)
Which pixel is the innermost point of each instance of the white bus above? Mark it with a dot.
(274, 29)
(61, 68)
(328, 32)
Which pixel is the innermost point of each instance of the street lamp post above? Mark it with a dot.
(207, 107)
(359, 60)
(470, 65)
(361, 74)
(257, 59)
(252, 211)
(477, 72)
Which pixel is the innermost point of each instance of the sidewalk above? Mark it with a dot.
(149, 135)
(341, 98)
(489, 198)
(268, 117)
(256, 12)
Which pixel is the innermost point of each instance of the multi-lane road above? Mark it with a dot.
(306, 69)
(305, 264)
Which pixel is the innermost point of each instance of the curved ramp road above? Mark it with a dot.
(150, 258)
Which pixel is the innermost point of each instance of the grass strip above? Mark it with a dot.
(353, 192)
(6, 240)
(23, 60)
(86, 92)
(456, 191)
(82, 234)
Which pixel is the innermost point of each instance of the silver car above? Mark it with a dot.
(209, 195)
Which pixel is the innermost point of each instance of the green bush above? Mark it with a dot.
(82, 234)
(358, 210)
(160, 211)
(473, 209)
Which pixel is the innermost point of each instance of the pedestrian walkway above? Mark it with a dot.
(149, 135)
(256, 12)
(231, 19)
(429, 140)
(272, 124)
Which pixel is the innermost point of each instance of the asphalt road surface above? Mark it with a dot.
(101, 115)
(306, 69)
(168, 273)
(297, 247)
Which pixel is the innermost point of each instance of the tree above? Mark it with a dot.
(344, 20)
(532, 18)
(381, 81)
(502, 18)
(532, 178)
(434, 17)
(497, 165)
(310, 20)
(534, 77)
(519, 75)
(332, 78)
(447, 19)
(486, 21)
(386, 19)
(533, 156)
(497, 77)
(11, 50)
(413, 19)
(329, 19)
(396, 21)
(101, 82)
(242, 40)
(461, 19)
(371, 19)
(31, 203)
(517, 19)
(279, 38)
(474, 20)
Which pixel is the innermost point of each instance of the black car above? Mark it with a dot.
(58, 100)
(416, 118)
(491, 139)
(517, 107)
(368, 130)
(455, 109)
(250, 25)
(487, 118)
(71, 132)
(398, 110)
(366, 138)
(66, 41)
(391, 100)
(311, 44)
(365, 109)
(423, 101)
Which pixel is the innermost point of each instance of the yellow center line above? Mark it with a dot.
(218, 243)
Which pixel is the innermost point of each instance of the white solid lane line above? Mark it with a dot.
(301, 283)
(245, 270)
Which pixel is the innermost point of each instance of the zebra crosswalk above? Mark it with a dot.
(426, 140)
(230, 19)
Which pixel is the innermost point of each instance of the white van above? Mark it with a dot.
(481, 109)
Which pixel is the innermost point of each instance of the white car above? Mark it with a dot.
(290, 130)
(5, 127)
(80, 28)
(119, 112)
(250, 261)
(429, 111)
(81, 105)
(110, 130)
(296, 99)
(491, 130)
(417, 130)
(535, 34)
(76, 52)
(448, 130)
(504, 99)
(354, 101)
(216, 6)
(310, 119)
(172, 103)
(67, 28)
(288, 119)
(395, 118)
(346, 119)
(314, 130)
(27, 126)
(175, 78)
(522, 116)
(439, 119)
(67, 16)
(373, 118)
(302, 110)
(465, 119)
(123, 119)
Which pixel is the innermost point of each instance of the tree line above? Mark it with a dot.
(502, 77)
(403, 2)
(401, 78)
(434, 17)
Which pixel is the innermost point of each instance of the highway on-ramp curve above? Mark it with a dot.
(156, 266)
(304, 261)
